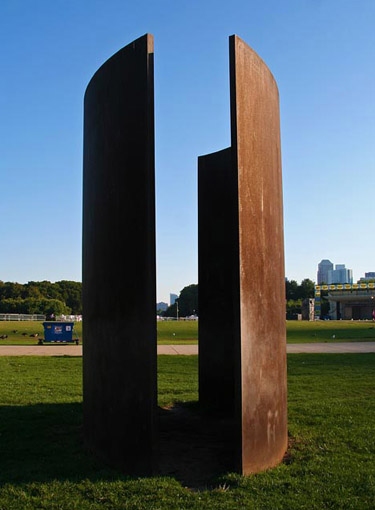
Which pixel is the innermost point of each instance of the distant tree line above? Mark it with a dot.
(187, 303)
(64, 297)
(295, 293)
(44, 297)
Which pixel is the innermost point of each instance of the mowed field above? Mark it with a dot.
(329, 464)
(181, 332)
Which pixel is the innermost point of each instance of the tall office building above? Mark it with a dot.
(323, 267)
(368, 277)
(172, 299)
(340, 274)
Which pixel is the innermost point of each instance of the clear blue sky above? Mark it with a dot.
(322, 54)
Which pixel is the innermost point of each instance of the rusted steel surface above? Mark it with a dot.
(119, 352)
(256, 149)
(244, 269)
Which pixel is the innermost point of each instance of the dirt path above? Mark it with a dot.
(76, 350)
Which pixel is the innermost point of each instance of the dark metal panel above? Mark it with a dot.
(218, 281)
(119, 351)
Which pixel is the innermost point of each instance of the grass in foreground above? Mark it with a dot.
(330, 463)
(181, 332)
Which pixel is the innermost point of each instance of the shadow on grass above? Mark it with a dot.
(44, 442)
(196, 447)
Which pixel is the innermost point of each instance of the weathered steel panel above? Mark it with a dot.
(119, 351)
(218, 277)
(257, 155)
(241, 270)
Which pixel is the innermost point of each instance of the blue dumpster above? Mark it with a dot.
(59, 332)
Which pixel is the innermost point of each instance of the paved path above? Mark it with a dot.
(332, 347)
(40, 350)
(76, 350)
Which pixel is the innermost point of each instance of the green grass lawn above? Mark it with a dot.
(181, 332)
(297, 331)
(323, 331)
(330, 464)
(177, 332)
(19, 332)
(167, 332)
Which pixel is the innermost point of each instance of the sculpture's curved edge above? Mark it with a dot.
(237, 40)
(109, 61)
(213, 153)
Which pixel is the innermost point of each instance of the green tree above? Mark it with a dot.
(71, 293)
(36, 297)
(34, 305)
(54, 306)
(187, 303)
(293, 307)
(188, 300)
(171, 311)
(11, 290)
(31, 289)
(291, 290)
(307, 289)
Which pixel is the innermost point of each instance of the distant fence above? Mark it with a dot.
(192, 318)
(21, 317)
(69, 318)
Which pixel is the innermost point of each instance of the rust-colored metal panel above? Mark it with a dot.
(242, 365)
(256, 153)
(119, 282)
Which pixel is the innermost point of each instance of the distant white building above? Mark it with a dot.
(172, 299)
(340, 275)
(323, 267)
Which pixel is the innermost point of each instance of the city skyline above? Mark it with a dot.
(321, 56)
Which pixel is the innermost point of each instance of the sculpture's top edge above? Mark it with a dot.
(214, 153)
(237, 43)
(147, 39)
